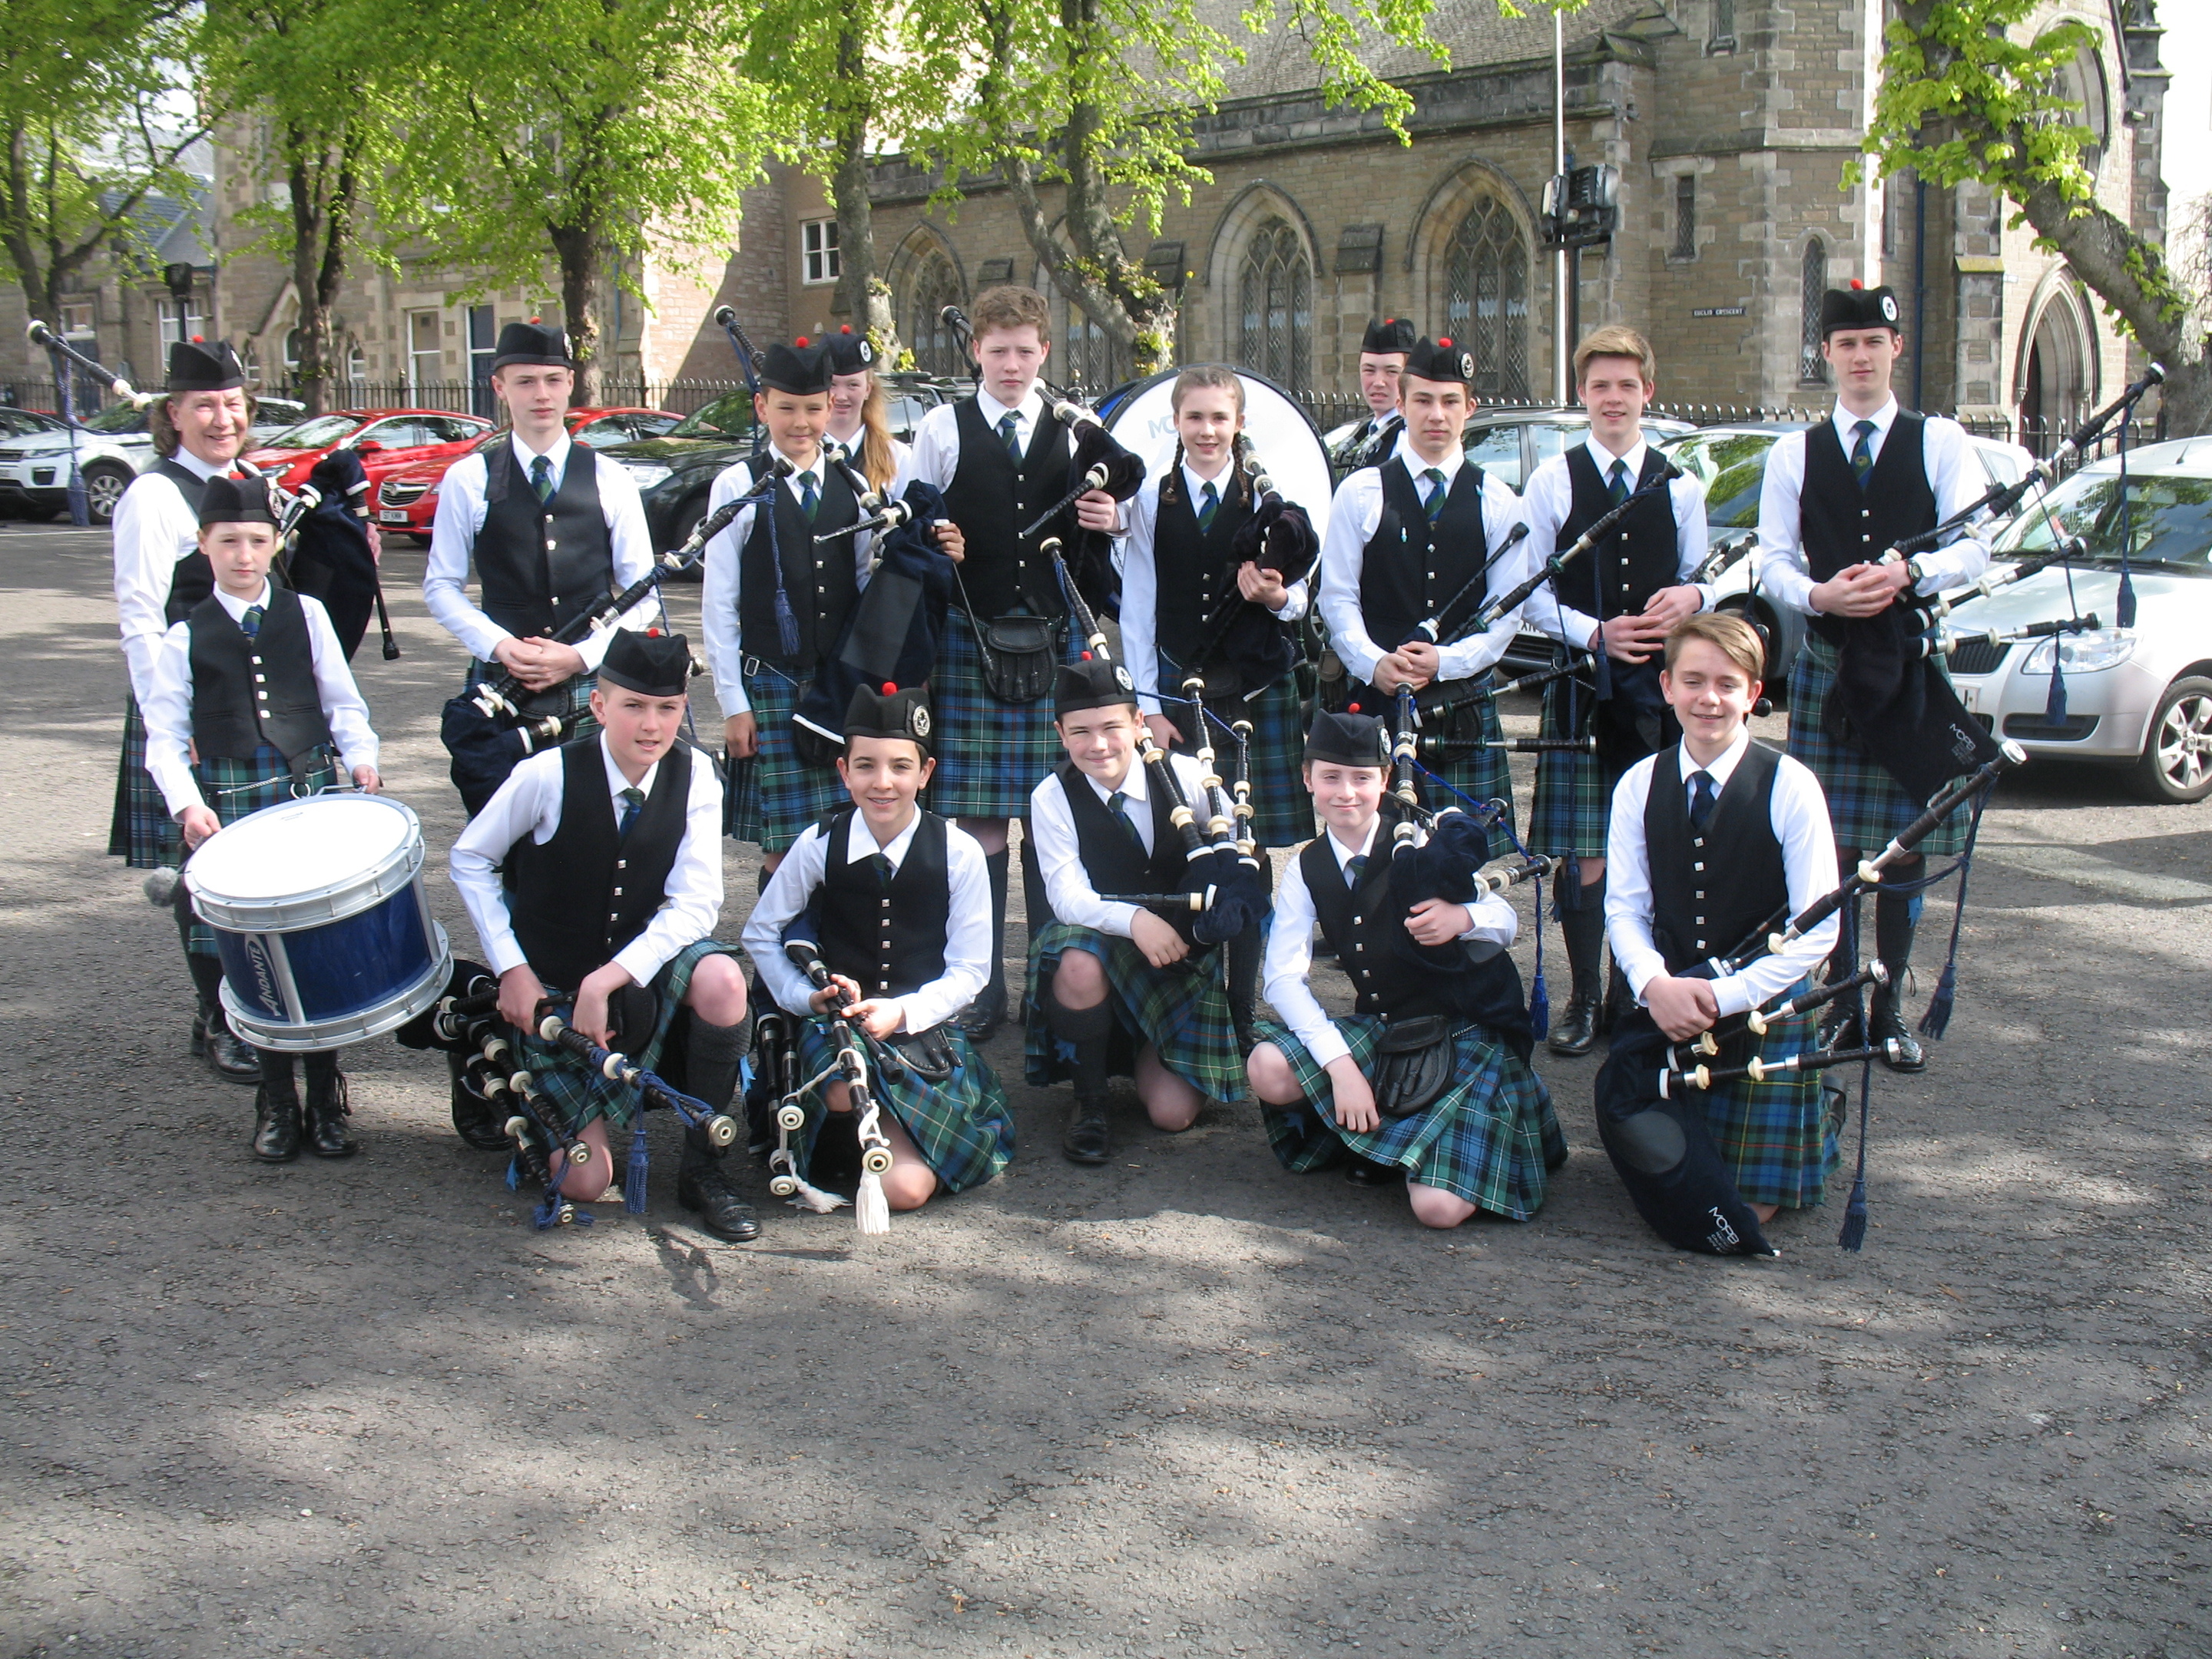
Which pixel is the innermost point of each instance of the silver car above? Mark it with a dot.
(2139, 697)
(113, 447)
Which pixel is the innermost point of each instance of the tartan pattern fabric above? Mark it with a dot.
(1573, 807)
(1282, 813)
(140, 830)
(963, 1127)
(235, 789)
(1771, 1134)
(775, 795)
(577, 1093)
(1865, 804)
(1482, 775)
(1181, 1010)
(1492, 1139)
(989, 754)
(575, 699)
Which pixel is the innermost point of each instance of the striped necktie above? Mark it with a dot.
(1118, 804)
(541, 479)
(1435, 504)
(1618, 486)
(1355, 868)
(1208, 507)
(633, 804)
(250, 624)
(1863, 453)
(1010, 433)
(886, 872)
(809, 497)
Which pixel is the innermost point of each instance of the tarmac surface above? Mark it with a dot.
(1186, 1404)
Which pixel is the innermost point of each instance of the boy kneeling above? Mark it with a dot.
(1113, 988)
(597, 869)
(1486, 1138)
(901, 903)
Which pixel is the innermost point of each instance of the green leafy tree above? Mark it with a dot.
(589, 130)
(96, 106)
(1971, 92)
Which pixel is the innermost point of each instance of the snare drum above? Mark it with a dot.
(317, 908)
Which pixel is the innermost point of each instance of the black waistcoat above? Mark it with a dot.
(819, 580)
(587, 891)
(192, 578)
(889, 940)
(1709, 891)
(1410, 568)
(1111, 861)
(990, 498)
(1363, 928)
(1191, 570)
(1841, 524)
(542, 565)
(1639, 556)
(1376, 440)
(246, 692)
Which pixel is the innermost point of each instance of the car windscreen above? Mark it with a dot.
(117, 418)
(730, 417)
(323, 430)
(2165, 519)
(1732, 466)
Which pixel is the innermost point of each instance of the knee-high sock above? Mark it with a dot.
(180, 903)
(1036, 907)
(1893, 924)
(1088, 1031)
(712, 1055)
(207, 983)
(1582, 924)
(995, 865)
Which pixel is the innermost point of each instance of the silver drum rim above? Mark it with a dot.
(333, 902)
(371, 1022)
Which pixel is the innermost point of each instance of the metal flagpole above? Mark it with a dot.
(1562, 347)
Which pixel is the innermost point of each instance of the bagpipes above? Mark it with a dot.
(1722, 556)
(1243, 649)
(849, 1065)
(44, 337)
(324, 534)
(1651, 1114)
(492, 726)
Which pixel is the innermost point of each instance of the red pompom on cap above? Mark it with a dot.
(845, 328)
(653, 633)
(1351, 709)
(801, 341)
(889, 689)
(199, 339)
(1085, 656)
(1856, 283)
(536, 319)
(1446, 345)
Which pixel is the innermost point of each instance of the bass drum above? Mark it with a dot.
(1282, 434)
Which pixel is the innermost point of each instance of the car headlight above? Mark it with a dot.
(645, 474)
(2082, 654)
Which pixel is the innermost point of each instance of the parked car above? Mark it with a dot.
(406, 498)
(2141, 696)
(272, 415)
(385, 438)
(1731, 461)
(29, 422)
(113, 447)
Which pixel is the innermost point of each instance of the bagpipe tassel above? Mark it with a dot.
(807, 1196)
(869, 1207)
(2054, 706)
(634, 1176)
(787, 625)
(1937, 1018)
(1540, 999)
(1853, 1236)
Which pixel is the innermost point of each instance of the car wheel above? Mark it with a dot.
(103, 487)
(2176, 757)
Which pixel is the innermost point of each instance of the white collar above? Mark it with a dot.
(194, 465)
(993, 411)
(1882, 419)
(1198, 484)
(239, 607)
(1721, 769)
(1133, 786)
(1344, 855)
(1415, 466)
(615, 781)
(1604, 457)
(557, 456)
(861, 840)
(819, 467)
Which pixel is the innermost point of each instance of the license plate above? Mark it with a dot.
(393, 515)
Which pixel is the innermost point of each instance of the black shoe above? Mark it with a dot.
(1839, 1026)
(1087, 1139)
(326, 1115)
(983, 1015)
(228, 1055)
(1575, 1031)
(1885, 1025)
(704, 1186)
(474, 1120)
(275, 1123)
(1366, 1172)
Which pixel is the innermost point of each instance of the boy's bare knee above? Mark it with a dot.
(1435, 1208)
(909, 1186)
(1079, 980)
(717, 991)
(1270, 1075)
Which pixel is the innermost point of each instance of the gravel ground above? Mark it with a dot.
(1187, 1404)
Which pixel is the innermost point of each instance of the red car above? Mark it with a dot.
(386, 439)
(406, 498)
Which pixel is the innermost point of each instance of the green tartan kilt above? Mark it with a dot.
(1865, 804)
(1492, 1139)
(1771, 1135)
(140, 830)
(1282, 806)
(237, 788)
(963, 1127)
(575, 1093)
(989, 754)
(775, 795)
(1481, 774)
(1183, 1011)
(1573, 809)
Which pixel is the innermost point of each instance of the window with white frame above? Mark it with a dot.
(817, 240)
(195, 319)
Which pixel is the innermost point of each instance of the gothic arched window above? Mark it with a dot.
(1812, 283)
(1486, 299)
(1275, 306)
(935, 286)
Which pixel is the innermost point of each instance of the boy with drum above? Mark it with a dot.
(594, 877)
(252, 703)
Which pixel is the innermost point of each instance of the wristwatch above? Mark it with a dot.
(1915, 572)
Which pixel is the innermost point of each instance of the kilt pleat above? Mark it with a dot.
(237, 788)
(963, 1127)
(1865, 804)
(989, 754)
(775, 795)
(1282, 809)
(1181, 1010)
(1772, 1135)
(140, 830)
(1492, 1139)
(1573, 806)
(578, 1093)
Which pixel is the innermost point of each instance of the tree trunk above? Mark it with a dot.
(582, 254)
(866, 300)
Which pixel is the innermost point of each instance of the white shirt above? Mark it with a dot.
(529, 804)
(1140, 580)
(721, 589)
(461, 517)
(1800, 817)
(901, 458)
(936, 454)
(154, 528)
(1391, 422)
(969, 945)
(1954, 475)
(1549, 501)
(168, 707)
(1289, 961)
(1353, 518)
(1066, 883)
